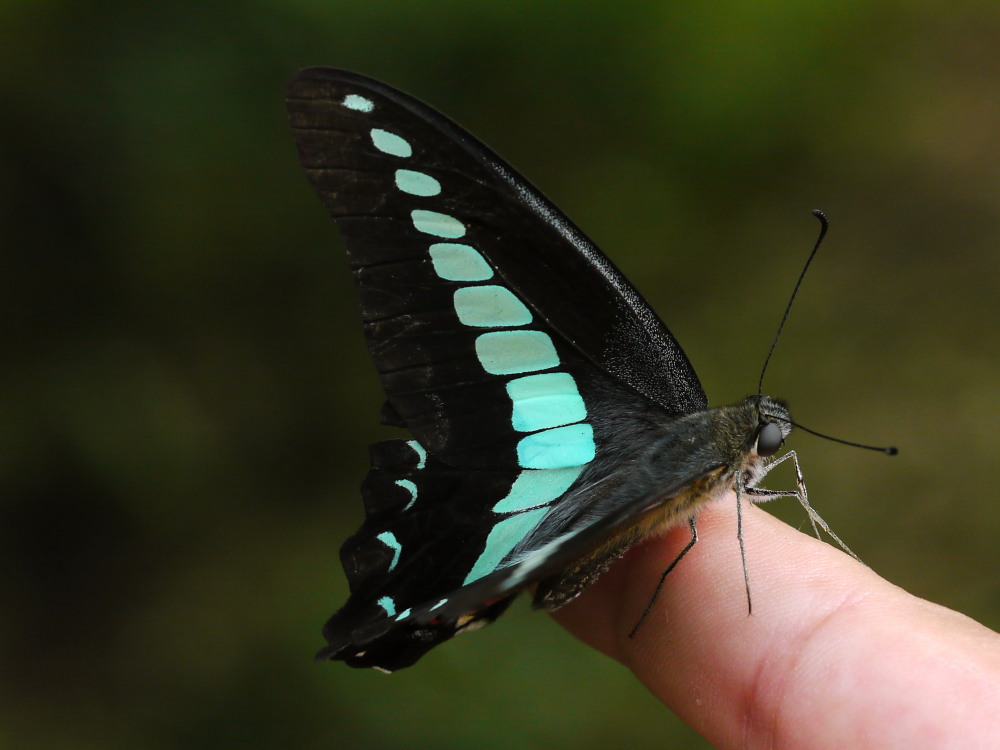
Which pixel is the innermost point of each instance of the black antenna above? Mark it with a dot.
(889, 450)
(822, 233)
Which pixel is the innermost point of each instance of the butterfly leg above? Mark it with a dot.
(762, 495)
(659, 585)
(740, 490)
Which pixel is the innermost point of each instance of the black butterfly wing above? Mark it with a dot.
(443, 549)
(400, 178)
(500, 333)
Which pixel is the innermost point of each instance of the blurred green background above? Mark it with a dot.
(187, 398)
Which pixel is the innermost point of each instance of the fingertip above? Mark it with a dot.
(698, 650)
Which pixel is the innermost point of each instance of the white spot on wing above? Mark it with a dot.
(421, 453)
(358, 103)
(410, 487)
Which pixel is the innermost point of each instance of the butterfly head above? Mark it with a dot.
(774, 423)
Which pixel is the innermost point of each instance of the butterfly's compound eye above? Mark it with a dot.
(769, 440)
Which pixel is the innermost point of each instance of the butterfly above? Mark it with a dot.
(552, 420)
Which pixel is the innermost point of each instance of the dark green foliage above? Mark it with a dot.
(186, 396)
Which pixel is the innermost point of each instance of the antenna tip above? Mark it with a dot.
(891, 450)
(820, 215)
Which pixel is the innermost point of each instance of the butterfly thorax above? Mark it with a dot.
(678, 472)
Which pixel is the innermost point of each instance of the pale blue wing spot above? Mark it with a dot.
(438, 605)
(404, 614)
(389, 540)
(542, 401)
(456, 262)
(537, 487)
(390, 143)
(557, 448)
(502, 539)
(516, 352)
(490, 306)
(358, 103)
(410, 487)
(388, 605)
(437, 224)
(421, 456)
(417, 183)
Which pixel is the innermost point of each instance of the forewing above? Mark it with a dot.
(462, 266)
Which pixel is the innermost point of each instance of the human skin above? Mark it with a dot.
(833, 656)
